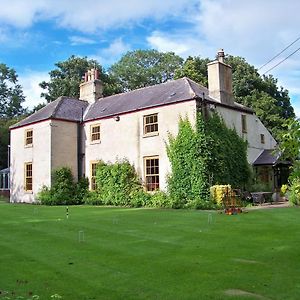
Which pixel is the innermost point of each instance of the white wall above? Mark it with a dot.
(125, 139)
(38, 154)
(254, 129)
(64, 145)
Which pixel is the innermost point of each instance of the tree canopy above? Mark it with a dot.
(66, 78)
(11, 94)
(141, 68)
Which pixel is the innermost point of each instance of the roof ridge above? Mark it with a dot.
(59, 102)
(141, 88)
(190, 86)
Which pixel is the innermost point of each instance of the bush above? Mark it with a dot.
(92, 198)
(64, 191)
(160, 199)
(294, 197)
(117, 183)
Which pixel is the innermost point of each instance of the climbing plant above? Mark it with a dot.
(202, 155)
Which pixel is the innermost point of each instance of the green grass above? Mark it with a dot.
(148, 253)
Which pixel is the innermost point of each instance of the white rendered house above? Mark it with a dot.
(135, 125)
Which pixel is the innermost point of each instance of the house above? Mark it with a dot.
(135, 125)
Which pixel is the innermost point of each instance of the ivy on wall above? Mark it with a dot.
(202, 156)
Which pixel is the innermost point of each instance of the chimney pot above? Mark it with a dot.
(91, 89)
(221, 55)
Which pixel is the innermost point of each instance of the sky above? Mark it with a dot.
(36, 34)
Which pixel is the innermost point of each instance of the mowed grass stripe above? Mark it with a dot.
(148, 253)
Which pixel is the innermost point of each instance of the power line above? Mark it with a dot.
(282, 61)
(296, 40)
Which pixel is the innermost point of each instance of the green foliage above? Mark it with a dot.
(260, 186)
(11, 94)
(117, 183)
(210, 153)
(289, 145)
(227, 161)
(188, 154)
(66, 78)
(5, 123)
(194, 68)
(64, 190)
(142, 68)
(294, 196)
(160, 199)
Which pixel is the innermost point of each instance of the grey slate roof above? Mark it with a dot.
(161, 94)
(158, 95)
(268, 157)
(64, 108)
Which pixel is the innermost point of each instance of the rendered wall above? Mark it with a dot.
(64, 145)
(38, 154)
(125, 138)
(254, 129)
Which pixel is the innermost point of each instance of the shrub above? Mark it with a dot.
(160, 199)
(140, 198)
(117, 183)
(92, 198)
(295, 192)
(64, 190)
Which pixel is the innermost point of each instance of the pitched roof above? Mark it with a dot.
(175, 91)
(63, 108)
(157, 95)
(269, 157)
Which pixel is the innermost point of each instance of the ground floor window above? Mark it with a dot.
(28, 177)
(93, 168)
(151, 173)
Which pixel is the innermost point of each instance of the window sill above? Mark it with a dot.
(28, 192)
(150, 134)
(95, 142)
(28, 146)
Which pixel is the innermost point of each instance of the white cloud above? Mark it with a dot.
(180, 43)
(81, 40)
(112, 53)
(30, 82)
(88, 15)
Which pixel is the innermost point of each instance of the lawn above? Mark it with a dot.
(119, 253)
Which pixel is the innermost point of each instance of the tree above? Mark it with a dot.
(141, 68)
(261, 93)
(4, 140)
(195, 68)
(66, 78)
(11, 94)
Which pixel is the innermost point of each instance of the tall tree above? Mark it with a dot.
(66, 78)
(195, 68)
(11, 94)
(141, 68)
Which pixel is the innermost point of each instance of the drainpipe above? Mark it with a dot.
(79, 148)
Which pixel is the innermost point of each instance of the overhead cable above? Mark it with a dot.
(296, 40)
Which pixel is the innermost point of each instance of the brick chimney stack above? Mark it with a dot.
(91, 89)
(220, 80)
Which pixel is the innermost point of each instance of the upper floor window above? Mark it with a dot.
(262, 138)
(28, 137)
(150, 124)
(28, 177)
(95, 133)
(244, 124)
(152, 173)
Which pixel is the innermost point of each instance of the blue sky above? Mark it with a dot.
(36, 34)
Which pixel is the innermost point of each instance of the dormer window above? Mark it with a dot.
(95, 133)
(150, 124)
(28, 138)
